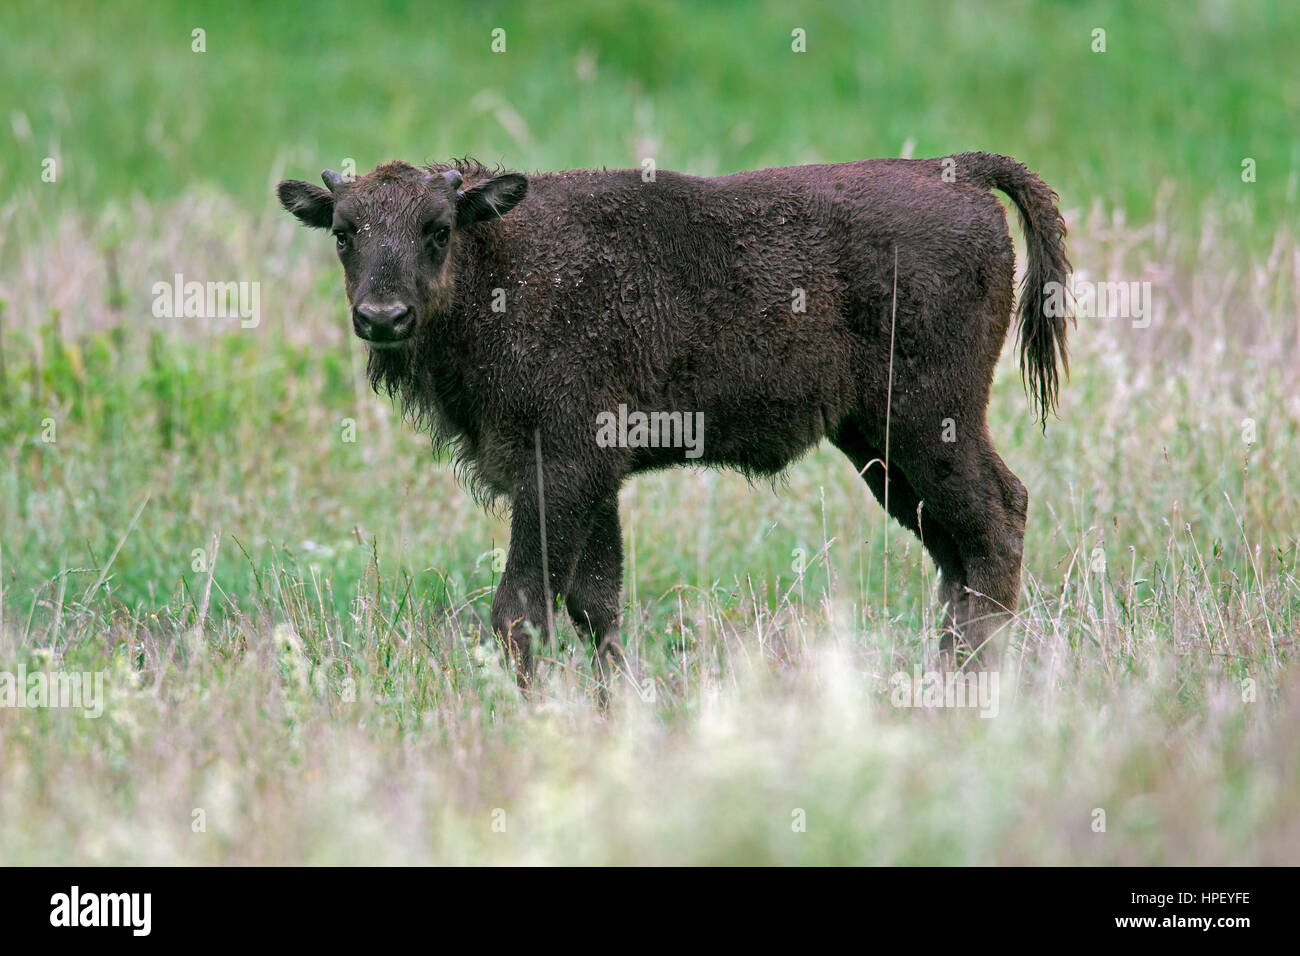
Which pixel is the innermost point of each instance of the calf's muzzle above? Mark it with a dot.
(383, 323)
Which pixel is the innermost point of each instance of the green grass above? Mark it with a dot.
(314, 680)
(1182, 94)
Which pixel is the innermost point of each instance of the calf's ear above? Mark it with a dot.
(490, 199)
(312, 205)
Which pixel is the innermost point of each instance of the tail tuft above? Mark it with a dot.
(1040, 330)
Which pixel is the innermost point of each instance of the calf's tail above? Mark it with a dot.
(1041, 321)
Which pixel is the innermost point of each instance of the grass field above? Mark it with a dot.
(286, 592)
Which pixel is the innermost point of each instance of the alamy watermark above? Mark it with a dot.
(955, 689)
(179, 299)
(1099, 300)
(63, 689)
(626, 429)
(131, 911)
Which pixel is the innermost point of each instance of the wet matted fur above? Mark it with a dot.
(510, 316)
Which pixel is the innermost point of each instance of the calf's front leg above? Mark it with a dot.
(548, 528)
(592, 598)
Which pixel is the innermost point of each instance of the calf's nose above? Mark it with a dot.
(382, 321)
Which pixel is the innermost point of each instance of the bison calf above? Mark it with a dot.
(566, 330)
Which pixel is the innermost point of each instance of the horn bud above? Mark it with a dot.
(332, 180)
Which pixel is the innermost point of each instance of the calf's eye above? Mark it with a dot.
(341, 238)
(441, 235)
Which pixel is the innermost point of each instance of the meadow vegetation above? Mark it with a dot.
(287, 592)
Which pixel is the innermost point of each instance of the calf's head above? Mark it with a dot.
(394, 229)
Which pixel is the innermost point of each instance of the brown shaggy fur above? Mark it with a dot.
(507, 312)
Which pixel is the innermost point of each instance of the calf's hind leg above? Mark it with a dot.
(869, 460)
(974, 495)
